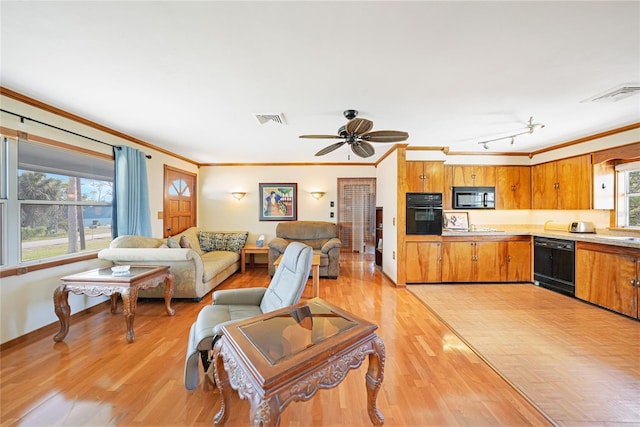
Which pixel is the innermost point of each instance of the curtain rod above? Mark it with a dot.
(23, 118)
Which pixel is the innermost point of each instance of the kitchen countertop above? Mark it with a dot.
(607, 239)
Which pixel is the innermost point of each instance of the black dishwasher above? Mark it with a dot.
(554, 264)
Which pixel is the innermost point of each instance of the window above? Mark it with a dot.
(628, 200)
(63, 202)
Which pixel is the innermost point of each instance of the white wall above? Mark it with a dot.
(387, 198)
(218, 210)
(26, 301)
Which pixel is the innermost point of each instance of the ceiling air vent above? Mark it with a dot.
(616, 94)
(266, 118)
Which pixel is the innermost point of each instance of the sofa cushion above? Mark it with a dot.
(216, 261)
(173, 243)
(222, 241)
(191, 236)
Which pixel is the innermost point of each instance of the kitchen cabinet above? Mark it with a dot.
(378, 243)
(502, 259)
(425, 177)
(473, 176)
(513, 187)
(603, 179)
(518, 259)
(423, 262)
(608, 276)
(562, 184)
(472, 261)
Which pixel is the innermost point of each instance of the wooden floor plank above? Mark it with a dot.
(95, 378)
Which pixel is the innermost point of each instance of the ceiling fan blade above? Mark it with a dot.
(363, 149)
(321, 136)
(385, 136)
(359, 126)
(330, 148)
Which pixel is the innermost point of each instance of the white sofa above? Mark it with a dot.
(199, 260)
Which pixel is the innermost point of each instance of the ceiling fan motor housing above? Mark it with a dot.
(350, 114)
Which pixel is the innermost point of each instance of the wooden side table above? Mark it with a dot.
(251, 250)
(103, 281)
(290, 354)
(315, 273)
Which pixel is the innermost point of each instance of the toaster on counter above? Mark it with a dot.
(582, 227)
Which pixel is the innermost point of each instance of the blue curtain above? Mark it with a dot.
(131, 213)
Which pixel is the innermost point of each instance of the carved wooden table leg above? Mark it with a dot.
(264, 413)
(130, 301)
(114, 303)
(222, 381)
(168, 294)
(62, 309)
(374, 377)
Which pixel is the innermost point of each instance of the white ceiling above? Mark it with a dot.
(190, 76)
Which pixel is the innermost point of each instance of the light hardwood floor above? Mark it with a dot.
(95, 378)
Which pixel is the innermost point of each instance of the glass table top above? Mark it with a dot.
(280, 337)
(107, 273)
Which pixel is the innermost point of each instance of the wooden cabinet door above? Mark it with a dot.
(513, 187)
(434, 173)
(573, 176)
(457, 262)
(518, 261)
(543, 183)
(423, 262)
(489, 261)
(415, 174)
(473, 176)
(607, 279)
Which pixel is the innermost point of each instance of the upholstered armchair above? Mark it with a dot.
(232, 305)
(320, 235)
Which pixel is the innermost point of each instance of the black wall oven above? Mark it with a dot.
(424, 213)
(554, 264)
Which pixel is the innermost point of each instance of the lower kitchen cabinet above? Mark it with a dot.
(471, 262)
(478, 260)
(423, 262)
(608, 276)
(518, 260)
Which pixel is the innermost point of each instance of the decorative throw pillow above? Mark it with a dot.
(212, 241)
(163, 246)
(184, 242)
(171, 242)
(235, 241)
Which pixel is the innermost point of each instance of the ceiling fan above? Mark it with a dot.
(357, 133)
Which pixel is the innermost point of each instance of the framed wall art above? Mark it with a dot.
(455, 220)
(278, 201)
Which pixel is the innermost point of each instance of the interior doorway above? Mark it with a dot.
(356, 214)
(179, 201)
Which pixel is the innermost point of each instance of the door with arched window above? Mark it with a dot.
(179, 200)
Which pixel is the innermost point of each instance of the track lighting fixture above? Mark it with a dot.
(530, 128)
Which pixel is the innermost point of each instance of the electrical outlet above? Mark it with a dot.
(331, 204)
(394, 221)
(393, 255)
(330, 214)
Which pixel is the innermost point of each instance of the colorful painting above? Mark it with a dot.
(455, 221)
(278, 202)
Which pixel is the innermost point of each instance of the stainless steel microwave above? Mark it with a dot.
(474, 197)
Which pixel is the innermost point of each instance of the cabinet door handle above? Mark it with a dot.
(633, 282)
(508, 258)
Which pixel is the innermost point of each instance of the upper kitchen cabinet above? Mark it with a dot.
(473, 176)
(562, 184)
(425, 177)
(513, 187)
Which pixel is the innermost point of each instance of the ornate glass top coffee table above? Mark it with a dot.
(104, 281)
(289, 354)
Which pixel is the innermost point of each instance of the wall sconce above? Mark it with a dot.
(238, 194)
(317, 194)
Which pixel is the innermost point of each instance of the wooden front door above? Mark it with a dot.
(179, 200)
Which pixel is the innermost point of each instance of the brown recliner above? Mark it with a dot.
(322, 236)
